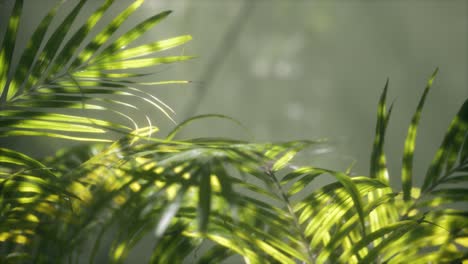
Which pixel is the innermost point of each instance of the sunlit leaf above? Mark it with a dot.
(378, 167)
(136, 63)
(410, 143)
(71, 46)
(451, 144)
(395, 231)
(105, 34)
(131, 35)
(26, 62)
(147, 49)
(52, 45)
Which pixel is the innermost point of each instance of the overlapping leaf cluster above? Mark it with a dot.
(196, 200)
(68, 71)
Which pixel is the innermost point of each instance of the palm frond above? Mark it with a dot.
(199, 200)
(61, 75)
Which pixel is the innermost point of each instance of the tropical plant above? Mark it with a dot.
(197, 200)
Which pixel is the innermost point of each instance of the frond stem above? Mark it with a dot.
(297, 225)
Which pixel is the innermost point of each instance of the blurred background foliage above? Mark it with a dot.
(304, 69)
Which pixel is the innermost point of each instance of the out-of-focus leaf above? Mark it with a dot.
(289, 154)
(18, 158)
(7, 48)
(214, 255)
(456, 179)
(204, 197)
(453, 194)
(299, 172)
(174, 248)
(188, 121)
(52, 135)
(169, 212)
(464, 151)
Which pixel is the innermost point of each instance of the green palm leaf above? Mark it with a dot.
(451, 148)
(7, 49)
(410, 143)
(200, 200)
(47, 80)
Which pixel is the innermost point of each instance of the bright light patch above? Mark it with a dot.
(120, 199)
(20, 239)
(135, 187)
(178, 169)
(159, 170)
(32, 218)
(186, 175)
(215, 184)
(119, 251)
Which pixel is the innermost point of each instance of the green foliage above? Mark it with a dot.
(196, 200)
